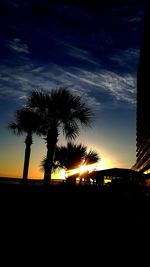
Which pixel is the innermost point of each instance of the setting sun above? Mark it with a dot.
(82, 169)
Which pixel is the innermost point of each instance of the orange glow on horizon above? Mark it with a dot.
(13, 167)
(35, 173)
(82, 169)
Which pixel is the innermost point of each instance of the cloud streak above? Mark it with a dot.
(121, 86)
(18, 46)
(31, 77)
(126, 58)
(22, 79)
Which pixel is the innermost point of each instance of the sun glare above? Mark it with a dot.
(82, 169)
(105, 163)
(59, 175)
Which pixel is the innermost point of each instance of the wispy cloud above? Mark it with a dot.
(121, 86)
(126, 58)
(93, 85)
(131, 19)
(17, 82)
(80, 54)
(95, 82)
(17, 45)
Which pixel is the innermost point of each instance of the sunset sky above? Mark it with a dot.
(93, 49)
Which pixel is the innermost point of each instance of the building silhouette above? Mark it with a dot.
(143, 100)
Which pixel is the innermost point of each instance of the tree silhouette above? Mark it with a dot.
(72, 156)
(26, 121)
(91, 157)
(59, 109)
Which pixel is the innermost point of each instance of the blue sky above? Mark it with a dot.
(91, 48)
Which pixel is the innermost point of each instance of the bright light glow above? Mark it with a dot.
(107, 181)
(61, 174)
(82, 169)
(148, 171)
(105, 163)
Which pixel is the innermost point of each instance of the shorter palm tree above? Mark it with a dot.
(26, 121)
(72, 156)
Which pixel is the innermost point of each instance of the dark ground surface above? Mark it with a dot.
(78, 205)
(75, 219)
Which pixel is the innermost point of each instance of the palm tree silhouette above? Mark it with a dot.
(26, 121)
(59, 109)
(72, 156)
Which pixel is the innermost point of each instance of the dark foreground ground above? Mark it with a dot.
(79, 221)
(84, 206)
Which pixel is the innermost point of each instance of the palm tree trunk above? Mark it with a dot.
(49, 164)
(28, 143)
(51, 145)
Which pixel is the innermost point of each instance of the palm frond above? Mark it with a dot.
(71, 129)
(38, 100)
(15, 128)
(56, 166)
(70, 156)
(83, 115)
(92, 157)
(26, 120)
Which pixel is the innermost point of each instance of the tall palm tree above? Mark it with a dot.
(26, 121)
(59, 109)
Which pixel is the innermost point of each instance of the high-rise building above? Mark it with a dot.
(143, 100)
